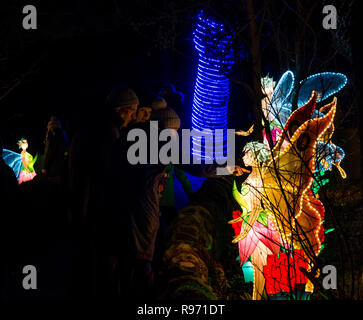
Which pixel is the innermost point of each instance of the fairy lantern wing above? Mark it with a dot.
(294, 121)
(280, 107)
(287, 180)
(325, 84)
(13, 160)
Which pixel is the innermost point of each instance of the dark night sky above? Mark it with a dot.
(80, 51)
(72, 76)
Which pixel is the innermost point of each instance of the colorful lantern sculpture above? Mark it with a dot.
(277, 107)
(213, 41)
(279, 208)
(21, 163)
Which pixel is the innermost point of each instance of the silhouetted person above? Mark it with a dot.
(55, 148)
(133, 197)
(89, 159)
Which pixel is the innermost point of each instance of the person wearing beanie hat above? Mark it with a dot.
(167, 118)
(148, 104)
(144, 111)
(159, 103)
(173, 97)
(124, 102)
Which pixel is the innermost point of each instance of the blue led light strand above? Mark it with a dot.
(211, 90)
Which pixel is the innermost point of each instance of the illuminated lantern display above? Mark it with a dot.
(213, 41)
(21, 163)
(283, 274)
(257, 237)
(277, 108)
(280, 213)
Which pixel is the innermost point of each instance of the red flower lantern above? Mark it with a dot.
(282, 272)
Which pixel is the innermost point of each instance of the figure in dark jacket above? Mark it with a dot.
(89, 160)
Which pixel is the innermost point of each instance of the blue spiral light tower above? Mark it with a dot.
(211, 92)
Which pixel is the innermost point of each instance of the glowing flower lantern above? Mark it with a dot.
(283, 272)
(211, 92)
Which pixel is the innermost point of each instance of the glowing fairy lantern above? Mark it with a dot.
(21, 163)
(279, 208)
(211, 92)
(257, 237)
